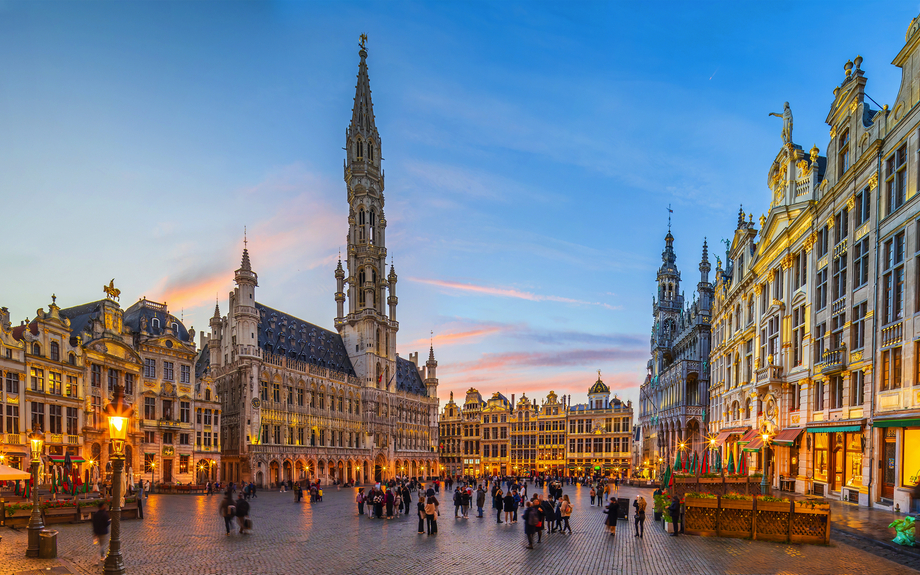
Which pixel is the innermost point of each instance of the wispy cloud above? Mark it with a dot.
(515, 360)
(505, 292)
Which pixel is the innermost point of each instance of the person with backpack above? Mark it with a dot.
(242, 514)
(101, 521)
(227, 510)
(565, 512)
(640, 505)
(431, 515)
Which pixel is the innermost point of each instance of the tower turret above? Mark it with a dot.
(705, 288)
(431, 374)
(245, 315)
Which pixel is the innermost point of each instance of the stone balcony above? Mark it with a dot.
(833, 360)
(769, 374)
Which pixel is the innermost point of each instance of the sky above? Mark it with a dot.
(531, 151)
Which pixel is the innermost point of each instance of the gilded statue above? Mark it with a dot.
(111, 291)
(787, 122)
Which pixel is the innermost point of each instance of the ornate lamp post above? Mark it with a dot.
(36, 440)
(119, 414)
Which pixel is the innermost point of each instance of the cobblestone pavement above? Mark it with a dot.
(182, 534)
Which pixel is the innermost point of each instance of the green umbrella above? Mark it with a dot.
(677, 461)
(731, 462)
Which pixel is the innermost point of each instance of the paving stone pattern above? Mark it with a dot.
(182, 534)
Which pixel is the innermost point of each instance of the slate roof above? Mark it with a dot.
(202, 362)
(81, 315)
(284, 334)
(408, 378)
(132, 318)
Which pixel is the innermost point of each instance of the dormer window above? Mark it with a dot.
(155, 323)
(36, 349)
(175, 327)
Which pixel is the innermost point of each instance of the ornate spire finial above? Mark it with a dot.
(245, 239)
(53, 299)
(670, 211)
(598, 375)
(363, 42)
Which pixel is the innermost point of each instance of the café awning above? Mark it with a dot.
(749, 436)
(726, 433)
(788, 436)
(897, 422)
(755, 444)
(60, 458)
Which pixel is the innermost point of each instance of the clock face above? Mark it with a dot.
(256, 403)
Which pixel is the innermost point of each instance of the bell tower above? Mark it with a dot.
(368, 331)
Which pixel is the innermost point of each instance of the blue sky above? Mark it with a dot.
(530, 151)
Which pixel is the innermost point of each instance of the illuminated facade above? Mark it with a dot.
(814, 339)
(301, 401)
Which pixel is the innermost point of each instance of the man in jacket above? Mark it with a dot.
(480, 499)
(242, 512)
(674, 513)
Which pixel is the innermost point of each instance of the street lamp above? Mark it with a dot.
(119, 413)
(36, 440)
(763, 458)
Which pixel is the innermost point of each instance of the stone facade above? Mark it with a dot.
(675, 394)
(504, 437)
(815, 343)
(60, 369)
(300, 401)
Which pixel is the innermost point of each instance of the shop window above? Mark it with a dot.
(820, 456)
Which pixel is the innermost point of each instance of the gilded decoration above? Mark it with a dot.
(111, 291)
(763, 221)
(851, 202)
(810, 241)
(758, 288)
(830, 221)
(802, 165)
(787, 261)
(814, 154)
(833, 131)
(873, 181)
(853, 105)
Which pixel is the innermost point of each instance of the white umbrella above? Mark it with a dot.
(8, 473)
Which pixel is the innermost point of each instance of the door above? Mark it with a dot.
(167, 470)
(888, 470)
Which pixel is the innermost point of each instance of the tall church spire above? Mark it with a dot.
(368, 331)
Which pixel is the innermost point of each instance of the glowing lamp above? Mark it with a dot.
(36, 441)
(118, 413)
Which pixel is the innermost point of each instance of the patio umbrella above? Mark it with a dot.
(8, 473)
(677, 461)
(731, 462)
(666, 478)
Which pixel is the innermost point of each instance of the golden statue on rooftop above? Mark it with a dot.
(111, 291)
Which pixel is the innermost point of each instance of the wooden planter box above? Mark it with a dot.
(54, 515)
(736, 518)
(810, 524)
(18, 518)
(701, 516)
(86, 512)
(129, 511)
(710, 480)
(771, 521)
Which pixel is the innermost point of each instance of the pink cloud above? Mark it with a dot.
(505, 292)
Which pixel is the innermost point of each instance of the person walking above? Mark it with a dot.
(390, 501)
(640, 505)
(480, 499)
(431, 515)
(674, 513)
(593, 495)
(406, 497)
(517, 503)
(498, 504)
(457, 498)
(566, 512)
(101, 521)
(611, 512)
(242, 513)
(549, 515)
(359, 499)
(227, 510)
(531, 518)
(466, 498)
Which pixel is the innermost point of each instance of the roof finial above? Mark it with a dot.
(363, 41)
(53, 299)
(245, 239)
(598, 375)
(670, 211)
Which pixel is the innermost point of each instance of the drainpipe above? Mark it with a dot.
(878, 218)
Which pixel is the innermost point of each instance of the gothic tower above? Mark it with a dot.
(666, 307)
(368, 332)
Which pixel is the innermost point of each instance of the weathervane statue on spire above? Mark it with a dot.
(363, 41)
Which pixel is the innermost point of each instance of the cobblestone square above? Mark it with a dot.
(182, 534)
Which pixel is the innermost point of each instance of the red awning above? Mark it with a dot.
(726, 433)
(788, 436)
(755, 444)
(749, 436)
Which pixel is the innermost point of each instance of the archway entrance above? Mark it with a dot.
(379, 469)
(288, 475)
(273, 473)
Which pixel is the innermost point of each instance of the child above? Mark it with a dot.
(319, 494)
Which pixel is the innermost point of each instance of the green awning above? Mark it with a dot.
(901, 422)
(834, 429)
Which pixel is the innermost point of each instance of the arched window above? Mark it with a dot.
(72, 359)
(370, 150)
(207, 395)
(36, 349)
(155, 323)
(55, 351)
(174, 326)
(359, 152)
